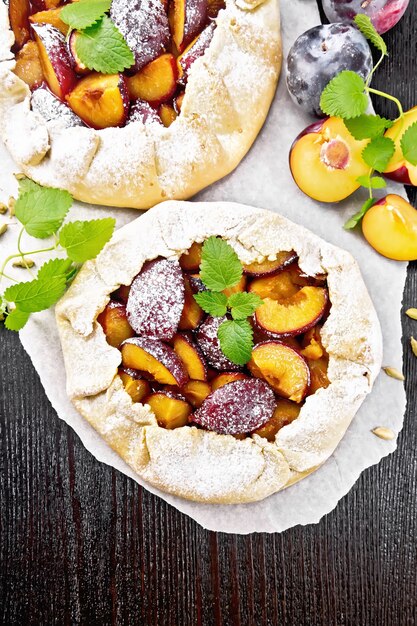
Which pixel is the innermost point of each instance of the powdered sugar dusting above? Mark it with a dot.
(52, 109)
(156, 300)
(209, 343)
(197, 50)
(141, 111)
(238, 407)
(144, 25)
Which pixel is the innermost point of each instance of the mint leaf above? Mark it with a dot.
(377, 154)
(42, 210)
(84, 240)
(369, 31)
(220, 266)
(55, 267)
(84, 13)
(101, 47)
(236, 340)
(36, 295)
(367, 126)
(212, 302)
(243, 304)
(355, 219)
(344, 96)
(26, 184)
(375, 182)
(16, 319)
(409, 144)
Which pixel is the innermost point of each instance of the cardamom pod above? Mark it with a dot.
(384, 433)
(393, 372)
(412, 313)
(413, 345)
(24, 263)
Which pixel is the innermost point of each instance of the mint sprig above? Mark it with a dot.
(102, 47)
(408, 144)
(41, 211)
(84, 13)
(378, 153)
(344, 96)
(367, 29)
(221, 269)
(367, 126)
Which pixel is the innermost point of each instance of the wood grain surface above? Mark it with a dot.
(83, 544)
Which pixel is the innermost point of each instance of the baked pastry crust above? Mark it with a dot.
(229, 92)
(189, 462)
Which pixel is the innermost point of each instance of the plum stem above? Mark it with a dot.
(388, 97)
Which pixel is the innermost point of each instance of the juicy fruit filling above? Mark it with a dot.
(172, 359)
(165, 37)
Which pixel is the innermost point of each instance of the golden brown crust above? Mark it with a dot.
(228, 96)
(192, 463)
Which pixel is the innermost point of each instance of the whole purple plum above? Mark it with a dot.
(318, 55)
(384, 14)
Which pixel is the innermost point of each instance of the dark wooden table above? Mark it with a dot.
(83, 544)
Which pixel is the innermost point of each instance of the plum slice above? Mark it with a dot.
(52, 109)
(144, 25)
(156, 300)
(190, 261)
(285, 413)
(195, 50)
(191, 356)
(293, 316)
(282, 367)
(19, 11)
(137, 387)
(114, 323)
(28, 65)
(100, 100)
(155, 358)
(55, 59)
(208, 341)
(156, 82)
(141, 111)
(171, 410)
(196, 391)
(192, 314)
(269, 268)
(225, 378)
(239, 407)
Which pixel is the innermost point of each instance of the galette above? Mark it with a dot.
(201, 77)
(221, 350)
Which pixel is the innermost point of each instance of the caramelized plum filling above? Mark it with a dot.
(166, 37)
(172, 358)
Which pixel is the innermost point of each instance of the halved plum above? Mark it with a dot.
(191, 356)
(239, 407)
(196, 391)
(268, 268)
(155, 358)
(192, 314)
(156, 299)
(171, 410)
(137, 387)
(282, 367)
(285, 413)
(55, 59)
(294, 315)
(156, 82)
(100, 100)
(115, 325)
(208, 341)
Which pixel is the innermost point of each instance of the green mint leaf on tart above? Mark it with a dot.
(367, 126)
(80, 15)
(55, 267)
(101, 47)
(220, 265)
(84, 240)
(369, 31)
(243, 304)
(236, 340)
(42, 210)
(26, 184)
(212, 302)
(377, 154)
(355, 219)
(36, 295)
(374, 182)
(16, 319)
(409, 144)
(344, 96)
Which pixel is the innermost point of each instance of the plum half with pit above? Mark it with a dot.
(318, 55)
(384, 14)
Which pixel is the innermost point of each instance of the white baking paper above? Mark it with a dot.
(263, 180)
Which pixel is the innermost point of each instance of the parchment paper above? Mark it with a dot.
(263, 180)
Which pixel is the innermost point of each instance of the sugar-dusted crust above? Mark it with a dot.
(193, 463)
(228, 96)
